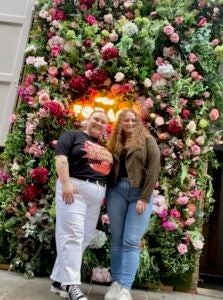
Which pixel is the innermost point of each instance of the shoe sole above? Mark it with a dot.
(62, 294)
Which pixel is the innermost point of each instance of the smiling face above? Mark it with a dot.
(96, 124)
(129, 123)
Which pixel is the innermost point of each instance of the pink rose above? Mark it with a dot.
(174, 38)
(169, 225)
(192, 58)
(215, 42)
(55, 51)
(91, 20)
(214, 114)
(179, 20)
(202, 22)
(175, 213)
(168, 30)
(196, 150)
(105, 219)
(53, 71)
(182, 249)
(189, 221)
(182, 200)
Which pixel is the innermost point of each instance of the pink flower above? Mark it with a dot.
(55, 51)
(163, 214)
(30, 60)
(192, 58)
(182, 249)
(196, 150)
(168, 51)
(182, 200)
(91, 20)
(53, 71)
(215, 42)
(179, 20)
(174, 38)
(189, 221)
(214, 114)
(148, 103)
(168, 30)
(13, 118)
(105, 219)
(44, 98)
(198, 102)
(202, 22)
(175, 213)
(169, 225)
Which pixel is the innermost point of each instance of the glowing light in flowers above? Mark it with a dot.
(110, 106)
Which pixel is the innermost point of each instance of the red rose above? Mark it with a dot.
(31, 192)
(54, 107)
(174, 126)
(40, 175)
(99, 77)
(110, 53)
(78, 84)
(87, 3)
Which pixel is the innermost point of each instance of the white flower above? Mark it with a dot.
(147, 83)
(44, 14)
(113, 36)
(198, 244)
(130, 29)
(167, 71)
(191, 126)
(108, 18)
(159, 121)
(40, 62)
(30, 49)
(119, 76)
(99, 240)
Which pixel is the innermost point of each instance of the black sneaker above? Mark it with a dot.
(74, 293)
(56, 287)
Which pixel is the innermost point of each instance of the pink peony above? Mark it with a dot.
(182, 249)
(169, 225)
(214, 114)
(182, 200)
(193, 58)
(202, 22)
(174, 38)
(175, 213)
(190, 221)
(91, 20)
(168, 30)
(196, 150)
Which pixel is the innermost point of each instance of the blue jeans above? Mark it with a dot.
(127, 229)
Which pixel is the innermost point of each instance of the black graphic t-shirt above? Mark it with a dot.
(86, 158)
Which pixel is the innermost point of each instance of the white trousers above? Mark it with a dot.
(75, 228)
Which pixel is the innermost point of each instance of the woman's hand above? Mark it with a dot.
(68, 192)
(141, 206)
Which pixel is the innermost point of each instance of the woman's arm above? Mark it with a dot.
(62, 168)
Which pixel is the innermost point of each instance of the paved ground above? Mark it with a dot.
(14, 287)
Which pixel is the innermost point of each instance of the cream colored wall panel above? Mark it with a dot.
(15, 21)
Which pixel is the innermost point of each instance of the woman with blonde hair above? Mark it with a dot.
(136, 164)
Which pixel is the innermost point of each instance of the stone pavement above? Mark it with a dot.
(15, 287)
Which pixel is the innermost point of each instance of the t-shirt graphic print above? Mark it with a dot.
(99, 158)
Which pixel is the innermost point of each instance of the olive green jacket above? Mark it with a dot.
(142, 165)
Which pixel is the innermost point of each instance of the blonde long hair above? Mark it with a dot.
(118, 142)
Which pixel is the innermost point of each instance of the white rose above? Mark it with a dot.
(147, 83)
(119, 76)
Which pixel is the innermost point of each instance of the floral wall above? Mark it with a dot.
(161, 57)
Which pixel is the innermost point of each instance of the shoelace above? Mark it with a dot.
(75, 292)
